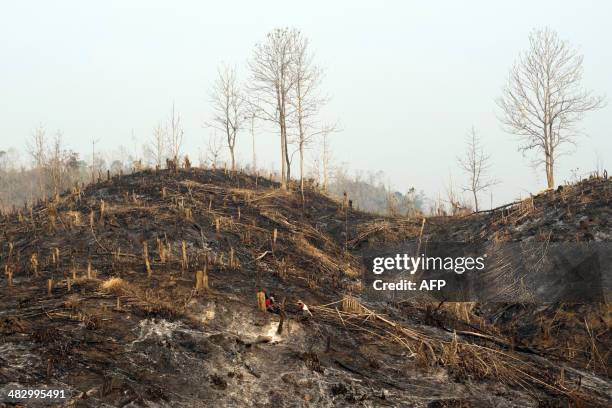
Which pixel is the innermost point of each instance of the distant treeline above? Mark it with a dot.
(20, 184)
(57, 170)
(369, 193)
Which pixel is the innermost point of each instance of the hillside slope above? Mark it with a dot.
(99, 298)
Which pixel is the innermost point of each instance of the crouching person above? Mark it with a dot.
(305, 312)
(271, 305)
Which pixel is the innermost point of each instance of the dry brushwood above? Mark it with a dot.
(458, 355)
(244, 233)
(145, 254)
(201, 283)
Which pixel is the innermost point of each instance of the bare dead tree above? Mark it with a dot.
(251, 118)
(475, 163)
(157, 145)
(175, 134)
(229, 107)
(37, 148)
(251, 114)
(12, 187)
(93, 159)
(456, 203)
(271, 84)
(543, 100)
(306, 100)
(56, 162)
(214, 151)
(326, 158)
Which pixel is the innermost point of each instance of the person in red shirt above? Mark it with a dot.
(271, 305)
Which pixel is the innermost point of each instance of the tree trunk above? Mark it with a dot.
(324, 171)
(550, 178)
(253, 139)
(283, 164)
(302, 169)
(231, 149)
(287, 159)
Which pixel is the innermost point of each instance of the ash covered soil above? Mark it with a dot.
(98, 296)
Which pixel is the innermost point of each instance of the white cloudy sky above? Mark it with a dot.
(407, 78)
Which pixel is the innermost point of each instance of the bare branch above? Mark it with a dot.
(175, 134)
(543, 101)
(229, 107)
(271, 85)
(476, 164)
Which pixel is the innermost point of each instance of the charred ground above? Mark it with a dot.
(98, 296)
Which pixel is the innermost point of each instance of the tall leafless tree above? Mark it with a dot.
(37, 148)
(213, 152)
(271, 84)
(156, 148)
(56, 163)
(229, 107)
(175, 134)
(250, 117)
(12, 182)
(543, 100)
(93, 159)
(326, 159)
(306, 100)
(476, 164)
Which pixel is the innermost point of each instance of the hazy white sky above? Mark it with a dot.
(407, 78)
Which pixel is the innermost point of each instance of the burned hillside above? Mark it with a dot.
(141, 290)
(570, 329)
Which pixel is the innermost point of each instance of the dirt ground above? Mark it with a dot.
(141, 290)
